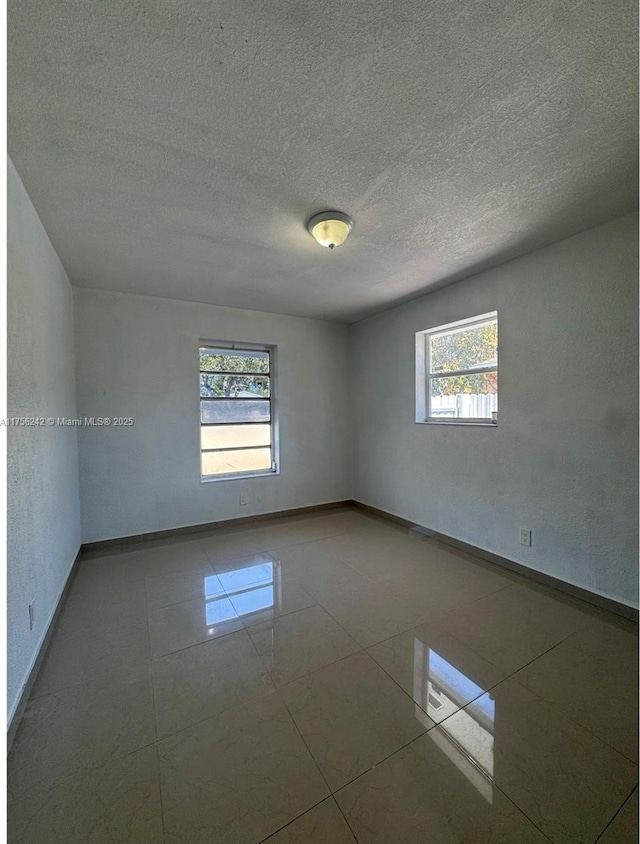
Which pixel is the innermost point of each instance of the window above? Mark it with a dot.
(236, 418)
(457, 372)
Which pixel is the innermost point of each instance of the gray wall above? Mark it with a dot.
(563, 459)
(43, 517)
(138, 356)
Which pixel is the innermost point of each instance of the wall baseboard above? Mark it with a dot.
(224, 524)
(600, 601)
(18, 712)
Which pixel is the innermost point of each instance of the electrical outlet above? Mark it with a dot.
(244, 498)
(32, 614)
(525, 537)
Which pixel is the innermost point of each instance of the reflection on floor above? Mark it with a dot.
(319, 679)
(444, 690)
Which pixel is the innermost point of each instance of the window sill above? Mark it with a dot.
(458, 423)
(242, 477)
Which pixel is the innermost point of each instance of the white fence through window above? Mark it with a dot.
(465, 406)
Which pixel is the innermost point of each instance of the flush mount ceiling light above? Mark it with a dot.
(330, 228)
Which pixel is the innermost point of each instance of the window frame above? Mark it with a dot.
(424, 376)
(274, 440)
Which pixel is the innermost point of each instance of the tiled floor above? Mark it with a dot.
(324, 680)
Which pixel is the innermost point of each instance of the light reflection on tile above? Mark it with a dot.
(413, 657)
(237, 579)
(174, 588)
(352, 715)
(253, 600)
(445, 691)
(418, 795)
(563, 778)
(189, 623)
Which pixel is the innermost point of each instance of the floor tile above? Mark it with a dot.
(116, 656)
(608, 638)
(295, 644)
(167, 557)
(598, 692)
(329, 579)
(324, 824)
(149, 558)
(117, 804)
(373, 613)
(514, 625)
(440, 673)
(238, 777)
(76, 731)
(623, 829)
(113, 571)
(259, 590)
(263, 603)
(234, 544)
(486, 709)
(103, 610)
(380, 556)
(238, 573)
(190, 622)
(204, 680)
(563, 778)
(164, 590)
(446, 579)
(352, 715)
(303, 530)
(432, 793)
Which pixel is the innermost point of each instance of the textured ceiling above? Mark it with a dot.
(176, 147)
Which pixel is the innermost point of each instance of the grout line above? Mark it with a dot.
(164, 833)
(293, 820)
(380, 762)
(561, 712)
(617, 812)
(304, 741)
(346, 820)
(153, 690)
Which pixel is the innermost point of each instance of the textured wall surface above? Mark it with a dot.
(177, 148)
(43, 518)
(563, 459)
(138, 356)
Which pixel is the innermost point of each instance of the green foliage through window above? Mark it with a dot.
(473, 348)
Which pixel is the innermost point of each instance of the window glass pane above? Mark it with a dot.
(235, 436)
(235, 411)
(228, 360)
(225, 462)
(465, 396)
(465, 348)
(234, 386)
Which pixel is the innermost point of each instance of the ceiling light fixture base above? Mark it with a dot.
(330, 228)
